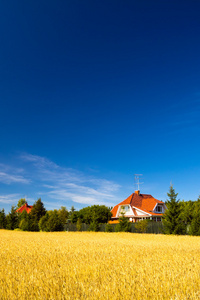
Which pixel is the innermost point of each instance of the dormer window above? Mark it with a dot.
(159, 208)
(125, 208)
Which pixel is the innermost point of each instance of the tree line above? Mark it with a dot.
(39, 219)
(181, 217)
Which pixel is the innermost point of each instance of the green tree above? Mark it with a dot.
(74, 217)
(187, 212)
(79, 225)
(172, 220)
(2, 219)
(72, 210)
(12, 219)
(43, 223)
(195, 223)
(141, 226)
(24, 221)
(51, 221)
(63, 214)
(95, 213)
(37, 212)
(54, 223)
(109, 228)
(94, 226)
(21, 202)
(124, 225)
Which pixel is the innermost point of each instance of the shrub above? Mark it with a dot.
(79, 225)
(43, 223)
(24, 225)
(124, 225)
(109, 228)
(94, 226)
(141, 226)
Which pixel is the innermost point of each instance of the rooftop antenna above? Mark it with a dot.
(137, 181)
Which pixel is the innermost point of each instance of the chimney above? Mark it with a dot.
(137, 192)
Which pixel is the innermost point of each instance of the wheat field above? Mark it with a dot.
(87, 265)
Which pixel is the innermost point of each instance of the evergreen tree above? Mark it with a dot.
(54, 223)
(187, 211)
(79, 225)
(25, 221)
(43, 226)
(51, 221)
(12, 219)
(2, 219)
(37, 212)
(195, 224)
(124, 225)
(21, 202)
(63, 214)
(172, 220)
(72, 210)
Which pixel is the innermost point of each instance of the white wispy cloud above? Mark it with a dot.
(10, 175)
(38, 161)
(67, 184)
(9, 199)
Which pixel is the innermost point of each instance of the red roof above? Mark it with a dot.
(25, 207)
(144, 202)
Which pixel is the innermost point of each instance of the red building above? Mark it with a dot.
(25, 207)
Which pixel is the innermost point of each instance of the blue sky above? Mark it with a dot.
(92, 92)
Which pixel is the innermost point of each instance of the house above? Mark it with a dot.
(139, 207)
(25, 207)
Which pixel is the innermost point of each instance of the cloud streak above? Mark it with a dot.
(70, 185)
(10, 175)
(9, 199)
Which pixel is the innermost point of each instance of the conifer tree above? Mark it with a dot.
(2, 219)
(37, 212)
(21, 202)
(12, 219)
(24, 221)
(172, 220)
(124, 225)
(195, 224)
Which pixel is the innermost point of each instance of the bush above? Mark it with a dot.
(79, 225)
(124, 225)
(94, 226)
(141, 226)
(24, 225)
(51, 222)
(109, 228)
(54, 223)
(43, 223)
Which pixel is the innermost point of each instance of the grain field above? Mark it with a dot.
(87, 265)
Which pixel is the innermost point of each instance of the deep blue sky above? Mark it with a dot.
(92, 92)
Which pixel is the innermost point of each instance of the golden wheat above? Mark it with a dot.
(86, 265)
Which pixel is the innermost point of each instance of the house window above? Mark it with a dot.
(125, 209)
(159, 208)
